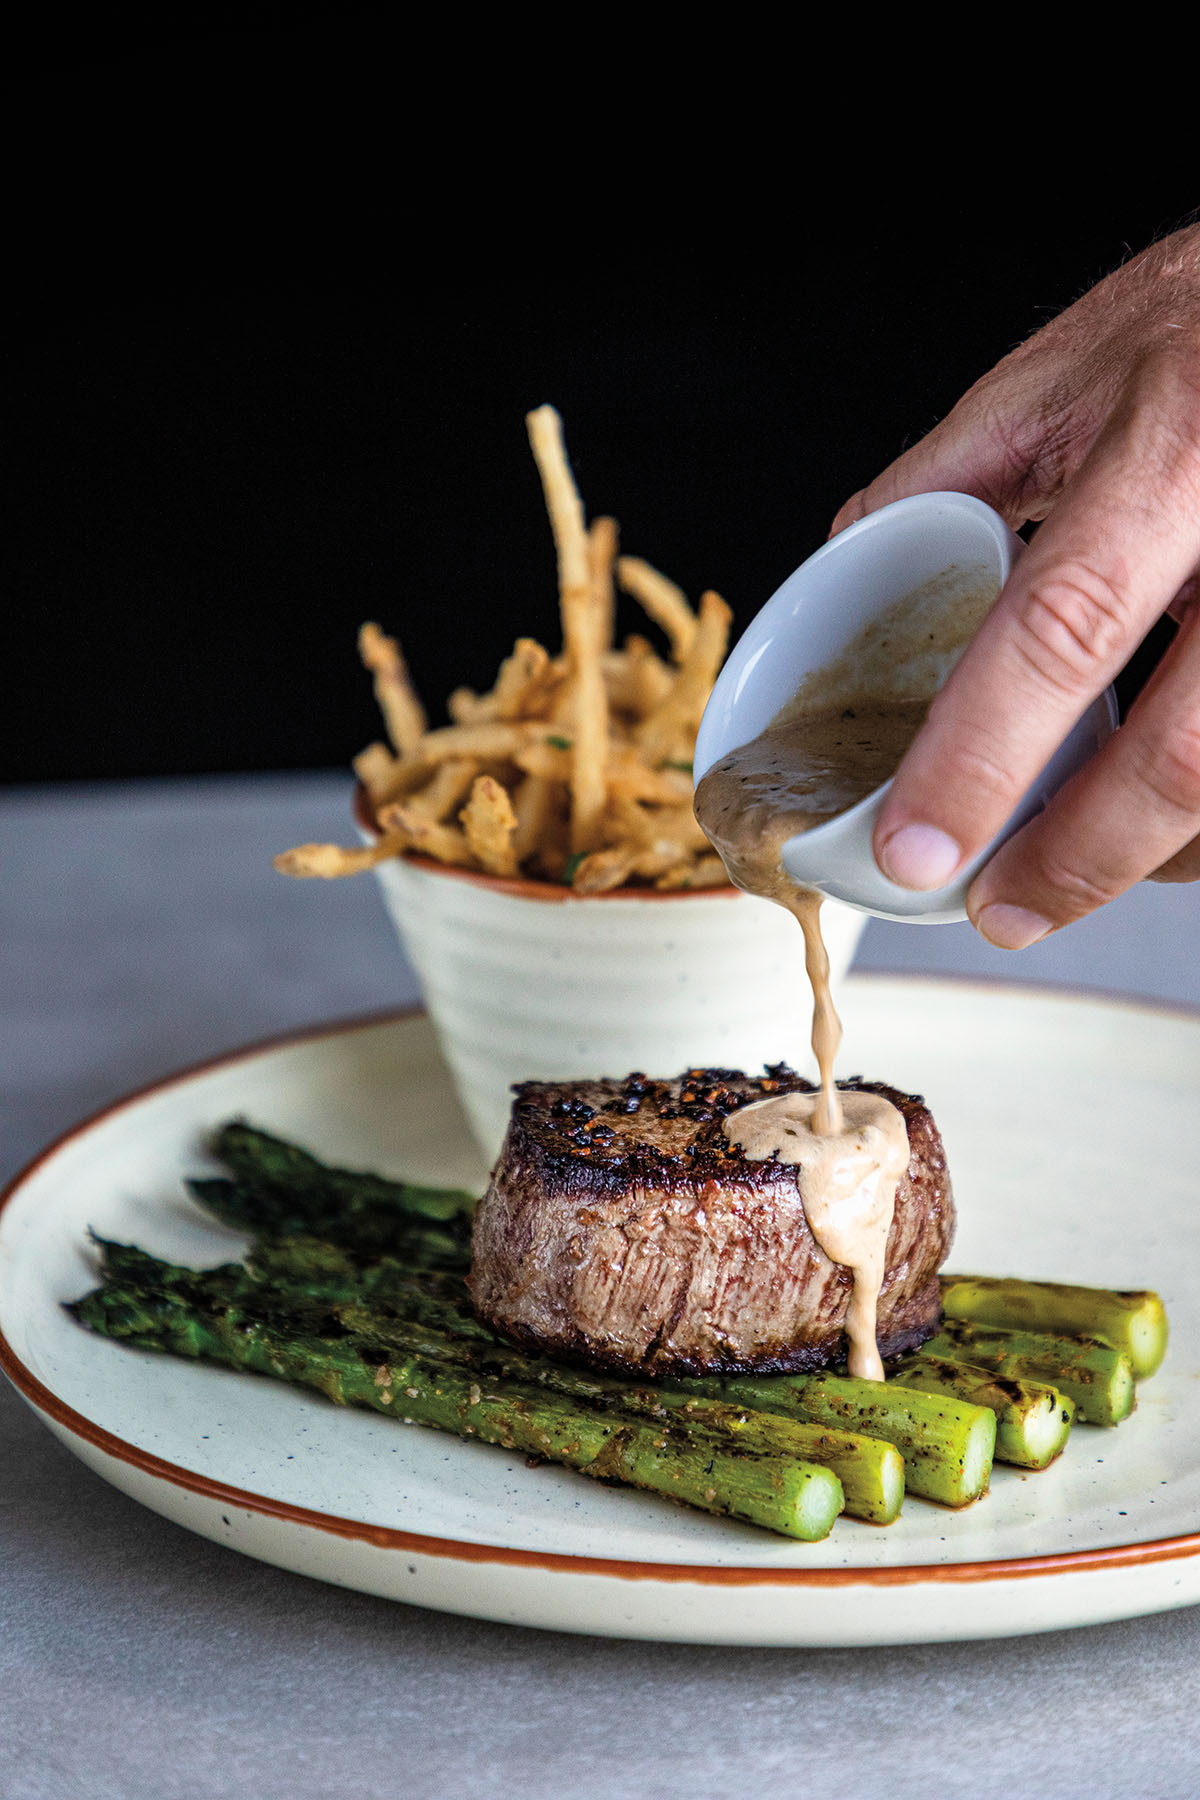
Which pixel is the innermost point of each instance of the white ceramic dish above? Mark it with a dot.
(1065, 1125)
(944, 546)
(526, 981)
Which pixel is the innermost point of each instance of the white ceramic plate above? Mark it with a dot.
(1068, 1126)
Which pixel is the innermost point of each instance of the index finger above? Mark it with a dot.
(1112, 555)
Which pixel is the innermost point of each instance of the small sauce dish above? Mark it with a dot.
(943, 547)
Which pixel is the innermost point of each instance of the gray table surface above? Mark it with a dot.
(141, 928)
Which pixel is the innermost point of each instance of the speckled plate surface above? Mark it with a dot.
(1067, 1124)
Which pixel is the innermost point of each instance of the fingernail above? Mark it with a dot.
(919, 856)
(1011, 927)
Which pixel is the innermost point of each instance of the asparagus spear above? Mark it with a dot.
(870, 1470)
(368, 1226)
(1099, 1380)
(329, 1271)
(1132, 1321)
(281, 1189)
(255, 1155)
(311, 1269)
(947, 1444)
(946, 1449)
(795, 1498)
(438, 1328)
(1033, 1421)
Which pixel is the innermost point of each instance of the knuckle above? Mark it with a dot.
(1073, 623)
(1015, 438)
(1167, 398)
(1169, 767)
(1179, 869)
(978, 771)
(1039, 421)
(1077, 891)
(1169, 375)
(1039, 446)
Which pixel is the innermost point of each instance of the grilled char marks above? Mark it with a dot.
(621, 1226)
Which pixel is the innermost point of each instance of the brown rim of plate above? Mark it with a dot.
(460, 1550)
(547, 892)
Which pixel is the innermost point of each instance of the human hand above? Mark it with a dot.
(1093, 425)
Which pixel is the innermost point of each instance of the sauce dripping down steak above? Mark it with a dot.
(621, 1227)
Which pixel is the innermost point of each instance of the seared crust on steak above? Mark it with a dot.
(622, 1227)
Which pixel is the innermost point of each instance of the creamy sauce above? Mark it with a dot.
(848, 1179)
(805, 768)
(841, 737)
(851, 1149)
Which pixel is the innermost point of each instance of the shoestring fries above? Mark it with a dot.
(574, 767)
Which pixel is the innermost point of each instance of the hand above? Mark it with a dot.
(1094, 426)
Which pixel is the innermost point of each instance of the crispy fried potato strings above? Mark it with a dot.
(575, 767)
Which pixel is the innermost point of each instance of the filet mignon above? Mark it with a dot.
(621, 1227)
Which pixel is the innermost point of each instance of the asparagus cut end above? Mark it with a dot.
(1148, 1333)
(1120, 1399)
(1042, 1434)
(1096, 1377)
(1131, 1321)
(813, 1498)
(978, 1457)
(891, 1475)
(1033, 1419)
(975, 1440)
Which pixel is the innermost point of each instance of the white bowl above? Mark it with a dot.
(525, 981)
(952, 541)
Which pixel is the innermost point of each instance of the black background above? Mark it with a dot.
(271, 360)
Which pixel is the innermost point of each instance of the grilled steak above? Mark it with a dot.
(621, 1227)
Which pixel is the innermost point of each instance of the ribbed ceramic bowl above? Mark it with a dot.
(525, 981)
